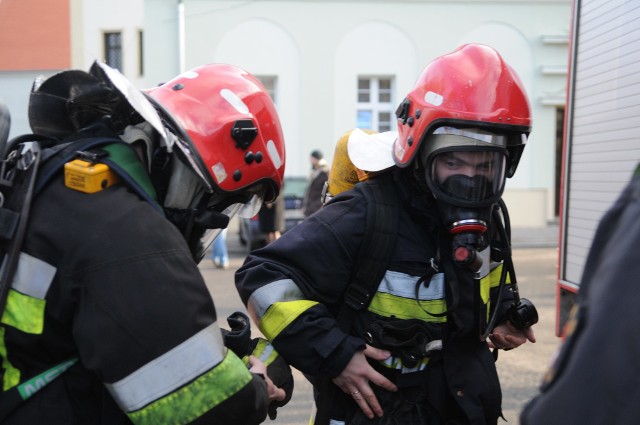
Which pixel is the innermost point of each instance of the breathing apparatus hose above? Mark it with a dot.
(507, 266)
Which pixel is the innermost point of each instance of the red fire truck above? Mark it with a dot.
(602, 130)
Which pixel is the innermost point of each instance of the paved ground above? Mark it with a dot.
(520, 371)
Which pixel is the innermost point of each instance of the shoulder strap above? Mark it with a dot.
(17, 177)
(376, 249)
(122, 160)
(53, 159)
(12, 398)
(374, 256)
(24, 175)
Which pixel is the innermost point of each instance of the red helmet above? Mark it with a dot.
(228, 124)
(470, 87)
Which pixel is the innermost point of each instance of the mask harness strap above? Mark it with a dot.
(435, 265)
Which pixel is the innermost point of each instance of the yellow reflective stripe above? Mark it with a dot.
(495, 274)
(197, 398)
(24, 313)
(265, 352)
(388, 305)
(492, 280)
(11, 376)
(281, 314)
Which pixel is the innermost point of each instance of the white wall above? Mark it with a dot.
(15, 87)
(318, 48)
(264, 48)
(100, 16)
(89, 20)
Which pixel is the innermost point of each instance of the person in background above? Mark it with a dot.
(219, 253)
(271, 219)
(317, 178)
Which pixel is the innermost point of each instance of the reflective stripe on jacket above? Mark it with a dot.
(105, 278)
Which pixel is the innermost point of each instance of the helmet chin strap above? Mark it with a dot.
(211, 219)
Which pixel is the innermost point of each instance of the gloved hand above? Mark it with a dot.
(238, 340)
(278, 371)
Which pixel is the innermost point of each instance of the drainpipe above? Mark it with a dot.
(181, 42)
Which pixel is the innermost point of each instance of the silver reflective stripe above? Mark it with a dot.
(335, 422)
(278, 291)
(33, 276)
(486, 266)
(182, 364)
(403, 285)
(264, 356)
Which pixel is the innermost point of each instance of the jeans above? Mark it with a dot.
(219, 253)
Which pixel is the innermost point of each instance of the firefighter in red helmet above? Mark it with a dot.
(391, 296)
(106, 318)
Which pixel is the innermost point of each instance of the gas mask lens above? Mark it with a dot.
(469, 177)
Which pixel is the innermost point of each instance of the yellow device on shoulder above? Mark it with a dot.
(88, 177)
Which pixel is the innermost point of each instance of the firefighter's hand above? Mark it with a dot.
(355, 378)
(275, 393)
(507, 337)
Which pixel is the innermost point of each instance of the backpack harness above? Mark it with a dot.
(23, 174)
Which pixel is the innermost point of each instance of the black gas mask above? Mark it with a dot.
(467, 224)
(465, 169)
(466, 180)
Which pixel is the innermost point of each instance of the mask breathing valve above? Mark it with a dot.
(467, 237)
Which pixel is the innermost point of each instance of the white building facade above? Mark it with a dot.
(335, 65)
(329, 65)
(102, 30)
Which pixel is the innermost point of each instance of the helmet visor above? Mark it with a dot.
(208, 235)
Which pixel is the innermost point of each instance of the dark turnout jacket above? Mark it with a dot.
(594, 379)
(294, 290)
(107, 284)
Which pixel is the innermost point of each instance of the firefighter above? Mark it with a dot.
(416, 348)
(108, 319)
(587, 383)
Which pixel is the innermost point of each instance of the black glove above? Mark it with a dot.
(238, 339)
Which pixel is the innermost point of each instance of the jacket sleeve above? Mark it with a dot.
(146, 326)
(293, 287)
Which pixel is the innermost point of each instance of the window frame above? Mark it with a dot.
(374, 105)
(111, 48)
